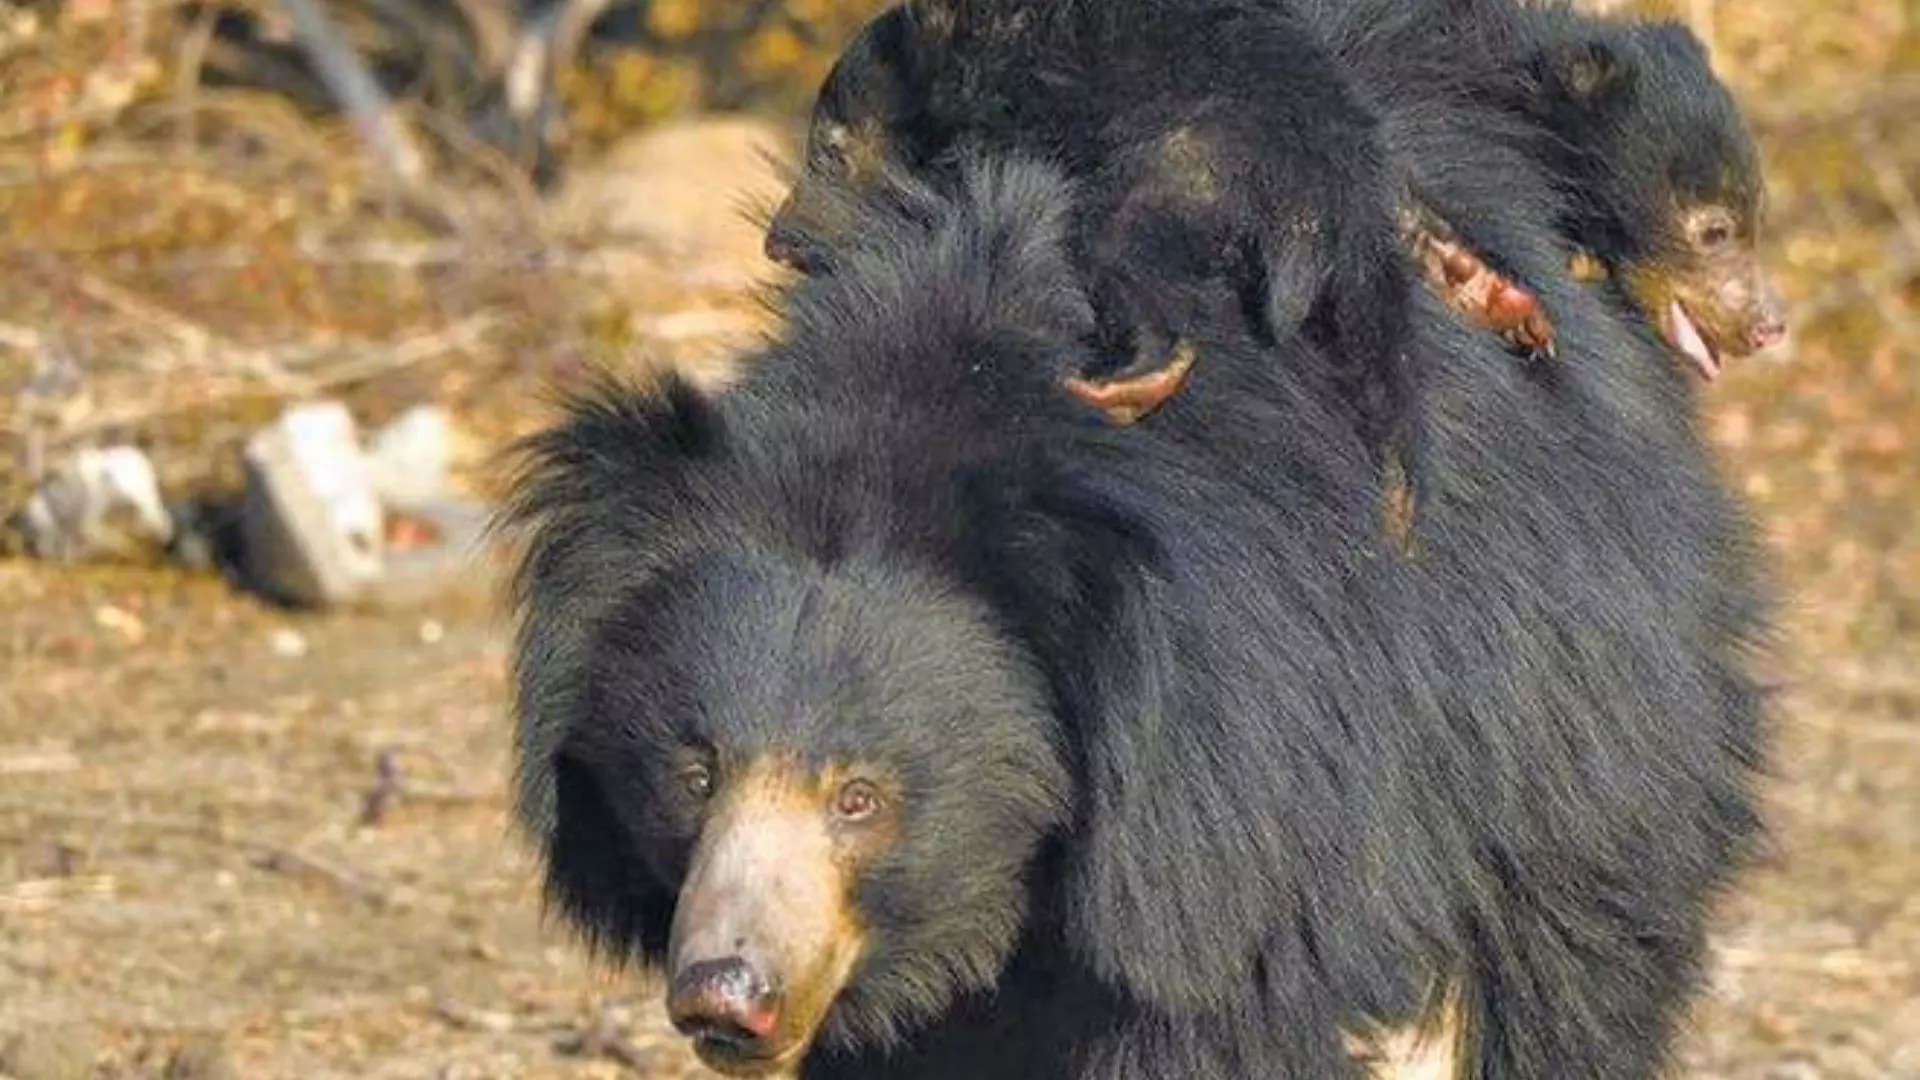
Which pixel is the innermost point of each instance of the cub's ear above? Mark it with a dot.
(1582, 73)
(596, 874)
(934, 21)
(939, 22)
(1669, 37)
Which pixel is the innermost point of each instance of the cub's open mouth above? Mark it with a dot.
(1683, 334)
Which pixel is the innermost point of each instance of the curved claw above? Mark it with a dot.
(1125, 400)
(1484, 297)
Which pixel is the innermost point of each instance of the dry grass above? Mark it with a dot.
(181, 260)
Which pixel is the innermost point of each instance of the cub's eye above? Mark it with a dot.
(1711, 230)
(857, 800)
(698, 780)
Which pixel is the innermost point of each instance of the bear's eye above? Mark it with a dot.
(857, 800)
(698, 780)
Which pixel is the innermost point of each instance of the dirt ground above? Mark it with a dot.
(237, 841)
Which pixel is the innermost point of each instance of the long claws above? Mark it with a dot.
(1125, 400)
(1483, 297)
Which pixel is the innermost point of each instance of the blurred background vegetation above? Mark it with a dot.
(193, 234)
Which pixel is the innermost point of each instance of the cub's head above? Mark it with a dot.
(1670, 184)
(811, 795)
(866, 134)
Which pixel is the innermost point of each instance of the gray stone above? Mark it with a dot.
(436, 555)
(97, 503)
(310, 522)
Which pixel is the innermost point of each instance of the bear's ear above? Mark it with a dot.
(596, 874)
(589, 511)
(615, 442)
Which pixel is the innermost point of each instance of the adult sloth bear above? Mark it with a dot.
(921, 724)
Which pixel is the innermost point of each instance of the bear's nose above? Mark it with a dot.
(725, 1001)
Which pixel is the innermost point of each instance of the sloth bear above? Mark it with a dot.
(921, 724)
(1247, 185)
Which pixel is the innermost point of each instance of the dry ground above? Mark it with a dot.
(191, 885)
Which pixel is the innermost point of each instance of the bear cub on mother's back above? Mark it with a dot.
(1228, 180)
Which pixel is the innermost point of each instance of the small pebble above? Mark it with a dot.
(431, 632)
(288, 644)
(121, 622)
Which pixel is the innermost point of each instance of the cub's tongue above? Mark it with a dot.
(1686, 337)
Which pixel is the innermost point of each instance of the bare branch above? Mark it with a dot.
(494, 27)
(357, 92)
(543, 48)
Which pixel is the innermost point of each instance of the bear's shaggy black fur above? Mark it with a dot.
(1226, 171)
(1189, 776)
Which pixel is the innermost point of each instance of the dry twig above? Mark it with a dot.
(268, 371)
(39, 894)
(1895, 96)
(261, 853)
(1899, 267)
(604, 1039)
(39, 762)
(386, 788)
(468, 1018)
(186, 85)
(1891, 182)
(493, 27)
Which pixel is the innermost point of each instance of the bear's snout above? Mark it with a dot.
(764, 936)
(727, 1001)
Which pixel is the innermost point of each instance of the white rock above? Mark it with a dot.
(288, 644)
(310, 523)
(409, 458)
(120, 621)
